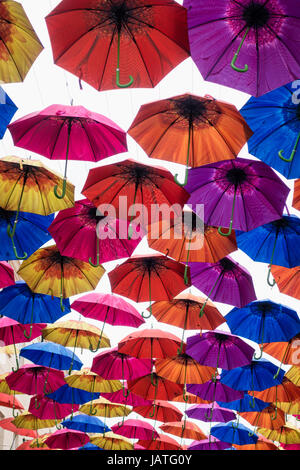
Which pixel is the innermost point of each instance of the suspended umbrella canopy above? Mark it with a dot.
(296, 195)
(152, 387)
(234, 434)
(111, 364)
(235, 44)
(274, 119)
(20, 46)
(186, 429)
(31, 233)
(183, 369)
(287, 434)
(190, 399)
(27, 420)
(91, 382)
(208, 444)
(84, 423)
(108, 308)
(164, 411)
(135, 429)
(111, 441)
(67, 394)
(7, 277)
(215, 390)
(50, 409)
(48, 272)
(106, 408)
(286, 352)
(119, 44)
(261, 444)
(210, 412)
(160, 443)
(286, 392)
(239, 194)
(31, 379)
(142, 278)
(268, 418)
(50, 354)
(4, 388)
(66, 439)
(123, 397)
(7, 111)
(225, 281)
(290, 408)
(287, 280)
(84, 233)
(61, 132)
(89, 446)
(246, 404)
(9, 401)
(189, 129)
(8, 425)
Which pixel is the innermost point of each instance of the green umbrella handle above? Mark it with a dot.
(11, 236)
(120, 85)
(154, 404)
(262, 340)
(280, 153)
(186, 279)
(15, 349)
(98, 253)
(63, 193)
(229, 232)
(237, 69)
(101, 334)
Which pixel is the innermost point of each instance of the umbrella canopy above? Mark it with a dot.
(269, 418)
(83, 233)
(208, 444)
(215, 390)
(91, 382)
(246, 404)
(4, 388)
(160, 443)
(85, 423)
(20, 45)
(8, 425)
(164, 411)
(287, 280)
(118, 44)
(235, 43)
(190, 129)
(123, 397)
(7, 276)
(62, 132)
(89, 446)
(9, 401)
(135, 429)
(234, 434)
(106, 408)
(286, 352)
(261, 444)
(296, 195)
(186, 429)
(50, 409)
(111, 441)
(33, 379)
(287, 434)
(29, 421)
(207, 413)
(285, 392)
(50, 354)
(7, 111)
(67, 394)
(66, 439)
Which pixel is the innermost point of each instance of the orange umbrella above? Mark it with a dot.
(296, 197)
(284, 392)
(9, 401)
(191, 399)
(164, 411)
(161, 443)
(191, 130)
(287, 280)
(184, 429)
(265, 418)
(287, 434)
(286, 352)
(294, 375)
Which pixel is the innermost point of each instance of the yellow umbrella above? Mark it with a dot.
(290, 408)
(48, 272)
(106, 408)
(287, 434)
(294, 375)
(19, 45)
(4, 387)
(40, 442)
(73, 333)
(111, 441)
(26, 420)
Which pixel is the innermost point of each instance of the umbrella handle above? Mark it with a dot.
(238, 69)
(30, 333)
(187, 160)
(235, 426)
(260, 354)
(280, 153)
(252, 402)
(93, 411)
(271, 284)
(209, 418)
(98, 254)
(64, 188)
(185, 178)
(274, 416)
(11, 234)
(229, 232)
(37, 404)
(121, 85)
(226, 234)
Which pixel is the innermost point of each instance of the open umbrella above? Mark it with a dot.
(187, 430)
(285, 352)
(106, 408)
(190, 129)
(135, 429)
(204, 413)
(215, 390)
(287, 280)
(7, 111)
(111, 441)
(66, 439)
(61, 132)
(50, 409)
(84, 423)
(164, 411)
(296, 195)
(160, 443)
(104, 44)
(239, 44)
(208, 444)
(237, 434)
(287, 434)
(74, 396)
(7, 277)
(265, 418)
(9, 401)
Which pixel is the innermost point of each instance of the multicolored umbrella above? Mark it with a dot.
(241, 194)
(190, 129)
(104, 44)
(235, 44)
(287, 434)
(61, 132)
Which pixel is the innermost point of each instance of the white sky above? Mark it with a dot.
(48, 84)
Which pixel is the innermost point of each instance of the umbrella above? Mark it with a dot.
(273, 118)
(190, 129)
(83, 233)
(246, 404)
(285, 352)
(50, 354)
(285, 392)
(135, 429)
(27, 186)
(241, 194)
(84, 423)
(9, 401)
(290, 408)
(186, 429)
(264, 321)
(62, 132)
(104, 44)
(261, 444)
(148, 189)
(225, 281)
(287, 280)
(66, 439)
(12, 332)
(275, 242)
(20, 303)
(50, 409)
(153, 277)
(296, 195)
(48, 272)
(265, 418)
(91, 382)
(210, 413)
(4, 388)
(7, 276)
(111, 441)
(234, 434)
(20, 45)
(8, 425)
(164, 411)
(106, 408)
(75, 396)
(29, 421)
(215, 390)
(76, 334)
(160, 443)
(7, 111)
(240, 44)
(89, 446)
(31, 233)
(287, 434)
(123, 397)
(208, 444)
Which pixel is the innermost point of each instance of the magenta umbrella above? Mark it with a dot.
(130, 399)
(135, 429)
(7, 277)
(210, 412)
(62, 132)
(212, 443)
(215, 390)
(84, 233)
(50, 409)
(13, 332)
(67, 439)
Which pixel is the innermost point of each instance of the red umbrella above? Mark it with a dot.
(10, 401)
(9, 426)
(161, 443)
(108, 43)
(164, 411)
(153, 277)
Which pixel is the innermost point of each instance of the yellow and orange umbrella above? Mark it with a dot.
(19, 46)
(111, 441)
(294, 375)
(106, 408)
(287, 280)
(286, 352)
(290, 408)
(48, 272)
(285, 392)
(191, 399)
(287, 434)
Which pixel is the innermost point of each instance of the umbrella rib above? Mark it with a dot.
(30, 128)
(13, 60)
(107, 55)
(40, 191)
(216, 20)
(21, 175)
(244, 204)
(140, 54)
(88, 138)
(58, 135)
(280, 40)
(84, 275)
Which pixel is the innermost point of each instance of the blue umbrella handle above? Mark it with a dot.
(237, 69)
(280, 153)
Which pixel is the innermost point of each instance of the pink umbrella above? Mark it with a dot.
(66, 439)
(7, 277)
(50, 409)
(131, 399)
(84, 233)
(62, 132)
(135, 429)
(13, 332)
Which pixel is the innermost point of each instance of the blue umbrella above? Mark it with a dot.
(257, 376)
(90, 446)
(234, 434)
(67, 394)
(245, 404)
(264, 321)
(274, 119)
(7, 111)
(21, 304)
(86, 423)
(274, 243)
(31, 233)
(51, 355)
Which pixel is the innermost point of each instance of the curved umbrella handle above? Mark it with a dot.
(97, 262)
(14, 413)
(233, 66)
(64, 188)
(280, 153)
(209, 417)
(225, 234)
(274, 416)
(123, 85)
(153, 411)
(93, 411)
(271, 284)
(30, 332)
(185, 178)
(37, 404)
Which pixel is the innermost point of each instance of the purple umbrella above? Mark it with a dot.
(224, 281)
(210, 412)
(215, 390)
(248, 45)
(209, 444)
(241, 194)
(82, 232)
